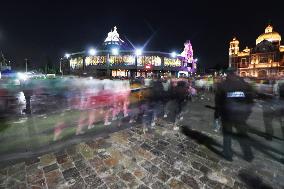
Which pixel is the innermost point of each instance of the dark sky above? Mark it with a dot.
(41, 29)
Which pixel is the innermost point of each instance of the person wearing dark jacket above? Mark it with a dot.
(233, 103)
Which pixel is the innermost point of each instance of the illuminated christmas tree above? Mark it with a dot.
(187, 53)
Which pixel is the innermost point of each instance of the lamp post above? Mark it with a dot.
(60, 67)
(26, 64)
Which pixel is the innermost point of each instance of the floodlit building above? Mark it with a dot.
(115, 57)
(265, 60)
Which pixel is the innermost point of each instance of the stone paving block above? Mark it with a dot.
(62, 158)
(142, 186)
(71, 173)
(204, 169)
(143, 153)
(47, 159)
(20, 176)
(196, 165)
(78, 183)
(72, 150)
(194, 173)
(102, 169)
(93, 181)
(132, 139)
(118, 168)
(86, 151)
(208, 182)
(149, 141)
(54, 179)
(80, 164)
(110, 179)
(156, 161)
(111, 161)
(118, 185)
(150, 167)
(34, 175)
(139, 173)
(189, 181)
(148, 179)
(67, 165)
(169, 169)
(86, 172)
(156, 152)
(176, 184)
(16, 168)
(3, 179)
(104, 186)
(146, 146)
(126, 176)
(103, 153)
(238, 185)
(162, 176)
(159, 185)
(49, 168)
(13, 183)
(38, 184)
(133, 185)
(31, 161)
(162, 142)
(128, 153)
(77, 156)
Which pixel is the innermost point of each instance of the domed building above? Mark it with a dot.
(265, 60)
(117, 58)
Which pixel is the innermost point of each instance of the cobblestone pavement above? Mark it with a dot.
(160, 158)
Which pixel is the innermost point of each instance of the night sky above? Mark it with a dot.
(44, 30)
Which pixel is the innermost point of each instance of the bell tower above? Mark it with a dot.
(233, 50)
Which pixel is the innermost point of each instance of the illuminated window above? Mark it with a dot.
(129, 59)
(172, 62)
(115, 59)
(152, 60)
(76, 63)
(94, 60)
(263, 59)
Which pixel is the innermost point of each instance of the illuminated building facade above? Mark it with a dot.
(265, 60)
(117, 58)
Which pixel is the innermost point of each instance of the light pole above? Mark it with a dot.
(60, 67)
(26, 64)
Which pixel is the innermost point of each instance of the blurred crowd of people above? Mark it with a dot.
(114, 101)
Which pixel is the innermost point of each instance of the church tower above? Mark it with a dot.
(233, 50)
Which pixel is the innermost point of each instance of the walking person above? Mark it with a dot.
(181, 95)
(233, 103)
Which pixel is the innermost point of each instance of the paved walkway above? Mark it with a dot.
(161, 158)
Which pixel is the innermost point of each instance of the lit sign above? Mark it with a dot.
(236, 94)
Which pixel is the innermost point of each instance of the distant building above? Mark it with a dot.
(265, 60)
(116, 57)
(4, 63)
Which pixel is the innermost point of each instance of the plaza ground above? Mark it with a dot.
(126, 157)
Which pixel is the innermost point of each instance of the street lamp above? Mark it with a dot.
(138, 52)
(92, 52)
(67, 55)
(114, 51)
(173, 54)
